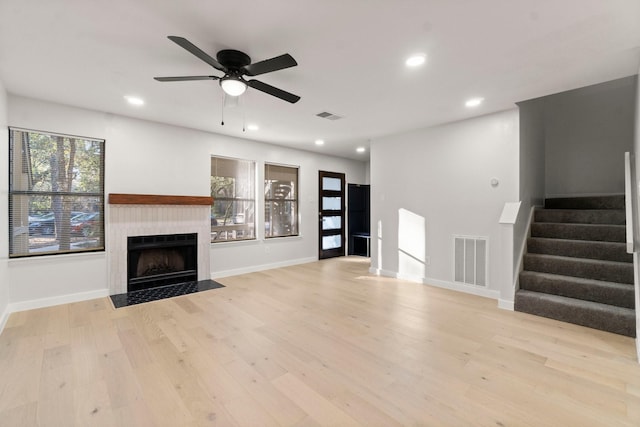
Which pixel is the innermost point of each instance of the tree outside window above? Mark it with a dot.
(56, 193)
(233, 192)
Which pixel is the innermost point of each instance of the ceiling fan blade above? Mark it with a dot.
(186, 44)
(278, 93)
(185, 78)
(268, 65)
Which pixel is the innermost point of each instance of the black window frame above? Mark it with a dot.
(293, 201)
(233, 225)
(14, 193)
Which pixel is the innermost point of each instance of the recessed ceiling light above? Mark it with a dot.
(253, 127)
(360, 149)
(473, 102)
(319, 141)
(416, 60)
(134, 100)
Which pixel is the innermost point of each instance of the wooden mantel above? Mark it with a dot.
(154, 199)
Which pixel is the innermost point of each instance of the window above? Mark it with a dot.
(233, 192)
(56, 193)
(281, 200)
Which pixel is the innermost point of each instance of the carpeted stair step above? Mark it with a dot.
(618, 294)
(586, 313)
(577, 269)
(596, 232)
(597, 202)
(610, 271)
(609, 251)
(586, 216)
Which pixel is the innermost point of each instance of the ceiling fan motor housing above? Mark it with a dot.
(233, 59)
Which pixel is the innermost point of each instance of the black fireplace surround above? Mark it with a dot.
(161, 260)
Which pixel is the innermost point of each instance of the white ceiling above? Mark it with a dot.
(351, 53)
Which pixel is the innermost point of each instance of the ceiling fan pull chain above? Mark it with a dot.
(244, 115)
(222, 109)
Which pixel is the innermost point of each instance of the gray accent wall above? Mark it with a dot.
(532, 153)
(586, 132)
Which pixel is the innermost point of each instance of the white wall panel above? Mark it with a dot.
(440, 177)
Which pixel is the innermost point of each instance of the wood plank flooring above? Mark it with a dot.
(320, 344)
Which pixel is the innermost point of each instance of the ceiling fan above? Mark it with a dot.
(235, 64)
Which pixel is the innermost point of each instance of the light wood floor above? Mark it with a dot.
(318, 344)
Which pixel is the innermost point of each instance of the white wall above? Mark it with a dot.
(153, 158)
(430, 184)
(232, 257)
(587, 132)
(4, 209)
(636, 255)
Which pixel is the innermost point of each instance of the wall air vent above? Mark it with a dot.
(470, 255)
(329, 116)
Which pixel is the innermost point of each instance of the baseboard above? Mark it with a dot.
(409, 278)
(467, 289)
(388, 273)
(505, 305)
(57, 300)
(262, 267)
(4, 317)
(395, 275)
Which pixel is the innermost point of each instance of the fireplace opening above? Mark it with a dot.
(161, 260)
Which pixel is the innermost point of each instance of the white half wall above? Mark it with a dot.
(154, 158)
(430, 184)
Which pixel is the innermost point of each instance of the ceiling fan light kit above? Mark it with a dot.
(235, 64)
(233, 86)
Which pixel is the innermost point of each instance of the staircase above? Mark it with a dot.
(576, 268)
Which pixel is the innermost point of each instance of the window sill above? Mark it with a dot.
(221, 243)
(281, 238)
(58, 256)
(267, 240)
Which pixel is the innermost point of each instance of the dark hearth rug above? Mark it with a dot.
(162, 292)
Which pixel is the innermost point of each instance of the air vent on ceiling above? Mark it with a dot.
(328, 116)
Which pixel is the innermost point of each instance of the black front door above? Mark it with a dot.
(332, 214)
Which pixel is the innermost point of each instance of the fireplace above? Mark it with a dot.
(161, 260)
